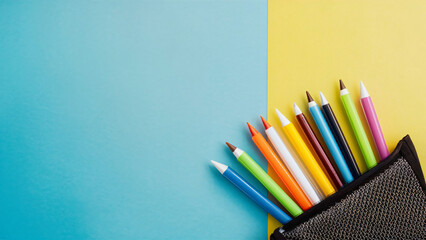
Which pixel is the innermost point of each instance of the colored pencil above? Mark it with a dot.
(279, 168)
(252, 193)
(267, 181)
(306, 155)
(329, 140)
(339, 136)
(357, 127)
(291, 163)
(373, 123)
(306, 127)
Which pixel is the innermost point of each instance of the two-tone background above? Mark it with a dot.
(111, 110)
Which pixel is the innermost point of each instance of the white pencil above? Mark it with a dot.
(291, 163)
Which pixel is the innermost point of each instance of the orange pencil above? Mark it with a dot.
(279, 168)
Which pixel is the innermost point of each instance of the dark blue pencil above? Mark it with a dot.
(340, 137)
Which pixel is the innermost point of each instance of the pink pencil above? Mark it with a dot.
(373, 123)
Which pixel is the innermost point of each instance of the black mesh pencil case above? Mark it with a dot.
(387, 202)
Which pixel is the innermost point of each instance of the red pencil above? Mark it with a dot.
(306, 127)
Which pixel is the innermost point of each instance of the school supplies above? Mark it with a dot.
(279, 168)
(251, 192)
(306, 155)
(373, 123)
(339, 136)
(306, 127)
(328, 137)
(267, 181)
(307, 180)
(357, 128)
(291, 164)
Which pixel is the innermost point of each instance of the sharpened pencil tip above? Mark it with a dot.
(310, 99)
(342, 85)
(232, 147)
(323, 99)
(296, 109)
(253, 131)
(219, 166)
(265, 123)
(284, 121)
(364, 92)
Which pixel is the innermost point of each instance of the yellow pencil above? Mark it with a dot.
(306, 155)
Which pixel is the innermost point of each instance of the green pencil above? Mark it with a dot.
(355, 121)
(266, 180)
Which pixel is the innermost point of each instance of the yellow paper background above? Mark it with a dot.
(312, 44)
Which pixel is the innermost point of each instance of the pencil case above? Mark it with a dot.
(387, 202)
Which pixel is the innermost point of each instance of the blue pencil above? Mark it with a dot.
(252, 193)
(329, 139)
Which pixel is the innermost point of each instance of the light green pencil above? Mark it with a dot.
(355, 121)
(266, 180)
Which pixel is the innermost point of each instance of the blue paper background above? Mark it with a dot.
(111, 110)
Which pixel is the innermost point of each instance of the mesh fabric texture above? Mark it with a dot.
(390, 206)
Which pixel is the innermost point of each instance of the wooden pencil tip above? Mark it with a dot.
(342, 85)
(310, 99)
(232, 147)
